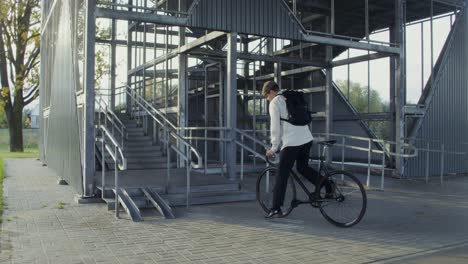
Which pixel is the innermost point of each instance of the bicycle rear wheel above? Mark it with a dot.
(347, 203)
(264, 189)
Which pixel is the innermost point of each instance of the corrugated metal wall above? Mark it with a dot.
(256, 17)
(446, 120)
(61, 146)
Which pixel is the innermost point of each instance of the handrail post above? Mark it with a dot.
(342, 152)
(383, 171)
(242, 160)
(99, 115)
(168, 161)
(369, 162)
(116, 173)
(442, 165)
(206, 145)
(427, 162)
(103, 164)
(189, 164)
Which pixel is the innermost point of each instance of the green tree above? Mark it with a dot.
(358, 98)
(19, 60)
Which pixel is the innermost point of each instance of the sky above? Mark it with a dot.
(379, 73)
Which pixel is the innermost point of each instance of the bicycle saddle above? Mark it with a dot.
(327, 142)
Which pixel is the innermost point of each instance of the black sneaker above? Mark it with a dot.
(274, 213)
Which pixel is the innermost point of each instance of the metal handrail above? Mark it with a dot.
(115, 143)
(115, 151)
(167, 125)
(122, 129)
(375, 140)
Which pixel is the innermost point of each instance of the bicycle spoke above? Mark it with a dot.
(348, 204)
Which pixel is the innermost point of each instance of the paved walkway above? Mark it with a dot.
(408, 221)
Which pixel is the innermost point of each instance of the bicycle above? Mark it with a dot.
(347, 191)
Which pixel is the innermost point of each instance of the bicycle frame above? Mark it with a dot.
(312, 195)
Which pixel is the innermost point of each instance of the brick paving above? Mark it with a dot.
(408, 218)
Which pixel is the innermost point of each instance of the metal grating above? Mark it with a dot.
(256, 17)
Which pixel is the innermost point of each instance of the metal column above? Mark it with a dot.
(183, 87)
(400, 88)
(277, 77)
(113, 62)
(88, 148)
(129, 62)
(231, 102)
(329, 84)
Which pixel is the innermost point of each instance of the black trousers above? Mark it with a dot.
(289, 155)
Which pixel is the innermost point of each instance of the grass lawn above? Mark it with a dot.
(4, 153)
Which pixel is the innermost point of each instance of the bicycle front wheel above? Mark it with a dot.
(265, 185)
(346, 204)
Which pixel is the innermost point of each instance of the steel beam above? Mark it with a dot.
(201, 41)
(294, 48)
(183, 49)
(231, 94)
(135, 43)
(89, 140)
(141, 17)
(373, 56)
(257, 57)
(333, 41)
(288, 72)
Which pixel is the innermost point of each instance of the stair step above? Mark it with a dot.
(133, 166)
(147, 159)
(144, 148)
(138, 139)
(144, 155)
(209, 198)
(138, 143)
(134, 129)
(136, 134)
(205, 188)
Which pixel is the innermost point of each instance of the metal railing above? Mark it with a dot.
(141, 110)
(241, 143)
(442, 150)
(111, 145)
(116, 123)
(205, 139)
(408, 150)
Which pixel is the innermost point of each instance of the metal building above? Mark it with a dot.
(158, 102)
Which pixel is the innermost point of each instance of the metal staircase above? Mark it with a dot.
(152, 178)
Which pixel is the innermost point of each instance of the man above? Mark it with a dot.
(295, 142)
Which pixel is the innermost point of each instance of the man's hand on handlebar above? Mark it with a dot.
(270, 154)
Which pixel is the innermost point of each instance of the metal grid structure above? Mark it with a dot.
(190, 73)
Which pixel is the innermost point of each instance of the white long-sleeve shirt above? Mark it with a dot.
(283, 133)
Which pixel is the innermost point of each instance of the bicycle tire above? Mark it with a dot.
(264, 191)
(345, 193)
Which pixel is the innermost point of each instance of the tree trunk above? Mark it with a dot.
(15, 126)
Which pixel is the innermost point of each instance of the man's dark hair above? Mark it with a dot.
(270, 86)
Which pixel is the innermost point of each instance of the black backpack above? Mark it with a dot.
(298, 108)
